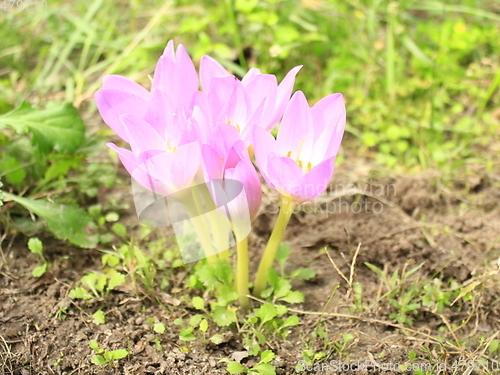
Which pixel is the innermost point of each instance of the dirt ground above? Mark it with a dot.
(395, 223)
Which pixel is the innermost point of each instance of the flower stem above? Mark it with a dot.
(242, 273)
(267, 259)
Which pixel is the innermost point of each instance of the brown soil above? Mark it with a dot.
(397, 224)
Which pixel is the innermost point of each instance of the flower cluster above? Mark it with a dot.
(188, 132)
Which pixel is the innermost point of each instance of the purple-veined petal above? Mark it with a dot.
(245, 173)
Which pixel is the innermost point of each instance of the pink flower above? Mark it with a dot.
(300, 162)
(174, 87)
(256, 100)
(230, 174)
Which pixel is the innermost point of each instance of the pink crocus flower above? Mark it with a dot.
(174, 87)
(227, 163)
(256, 100)
(300, 161)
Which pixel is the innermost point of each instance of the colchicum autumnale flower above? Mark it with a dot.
(193, 146)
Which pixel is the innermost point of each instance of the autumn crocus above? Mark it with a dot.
(256, 100)
(299, 163)
(235, 187)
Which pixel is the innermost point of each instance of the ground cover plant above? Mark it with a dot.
(392, 269)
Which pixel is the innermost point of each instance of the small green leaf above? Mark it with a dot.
(493, 347)
(115, 279)
(234, 367)
(195, 320)
(203, 326)
(98, 317)
(198, 303)
(80, 293)
(266, 312)
(40, 270)
(266, 356)
(265, 369)
(159, 328)
(283, 252)
(35, 246)
(293, 297)
(112, 217)
(186, 334)
(119, 229)
(98, 360)
(94, 345)
(291, 321)
(222, 316)
(304, 274)
(217, 339)
(117, 354)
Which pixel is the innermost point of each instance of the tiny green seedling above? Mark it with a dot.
(105, 357)
(36, 247)
(263, 367)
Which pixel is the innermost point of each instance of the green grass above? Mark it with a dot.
(420, 77)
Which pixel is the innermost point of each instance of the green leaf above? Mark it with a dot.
(266, 312)
(217, 339)
(265, 369)
(119, 229)
(203, 326)
(117, 354)
(222, 316)
(40, 270)
(493, 347)
(283, 252)
(186, 334)
(94, 345)
(98, 360)
(234, 367)
(195, 320)
(57, 127)
(60, 168)
(198, 303)
(67, 222)
(159, 328)
(266, 356)
(115, 279)
(293, 297)
(35, 245)
(98, 317)
(291, 321)
(304, 274)
(80, 293)
(10, 163)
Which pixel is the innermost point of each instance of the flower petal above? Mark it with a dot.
(296, 128)
(263, 145)
(209, 69)
(113, 103)
(285, 174)
(142, 136)
(314, 182)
